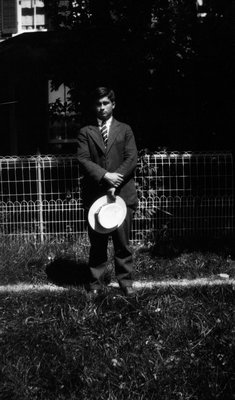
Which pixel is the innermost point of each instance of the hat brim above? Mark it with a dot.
(95, 207)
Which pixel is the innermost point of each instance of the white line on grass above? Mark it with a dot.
(25, 287)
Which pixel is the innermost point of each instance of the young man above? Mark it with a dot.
(107, 155)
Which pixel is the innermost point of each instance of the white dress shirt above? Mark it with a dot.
(108, 124)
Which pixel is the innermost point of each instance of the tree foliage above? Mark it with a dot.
(161, 25)
(154, 48)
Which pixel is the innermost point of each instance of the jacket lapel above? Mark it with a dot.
(96, 136)
(114, 131)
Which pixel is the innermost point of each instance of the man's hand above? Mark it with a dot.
(113, 178)
(111, 194)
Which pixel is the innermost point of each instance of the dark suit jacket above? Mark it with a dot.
(119, 156)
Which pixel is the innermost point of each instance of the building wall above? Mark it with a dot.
(31, 15)
(8, 18)
(19, 16)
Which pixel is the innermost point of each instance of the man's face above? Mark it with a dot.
(104, 108)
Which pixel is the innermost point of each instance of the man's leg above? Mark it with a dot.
(97, 257)
(122, 253)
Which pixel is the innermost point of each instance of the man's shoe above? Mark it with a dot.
(129, 291)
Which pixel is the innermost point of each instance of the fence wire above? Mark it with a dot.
(180, 194)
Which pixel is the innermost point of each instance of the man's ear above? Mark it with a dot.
(114, 104)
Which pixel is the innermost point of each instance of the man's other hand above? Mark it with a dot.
(113, 178)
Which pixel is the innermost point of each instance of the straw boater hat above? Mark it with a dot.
(107, 214)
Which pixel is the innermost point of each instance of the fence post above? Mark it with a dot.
(39, 195)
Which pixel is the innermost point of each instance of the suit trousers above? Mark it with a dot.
(123, 260)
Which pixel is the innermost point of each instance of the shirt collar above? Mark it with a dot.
(108, 122)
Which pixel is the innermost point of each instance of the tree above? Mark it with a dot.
(155, 49)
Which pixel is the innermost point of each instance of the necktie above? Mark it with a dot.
(104, 133)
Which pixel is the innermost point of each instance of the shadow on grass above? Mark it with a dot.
(63, 271)
(172, 247)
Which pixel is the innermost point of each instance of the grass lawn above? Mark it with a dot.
(165, 343)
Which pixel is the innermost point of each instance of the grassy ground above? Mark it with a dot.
(167, 343)
(163, 344)
(29, 263)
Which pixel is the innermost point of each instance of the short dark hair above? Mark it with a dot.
(103, 91)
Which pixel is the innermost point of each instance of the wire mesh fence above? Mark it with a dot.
(180, 194)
